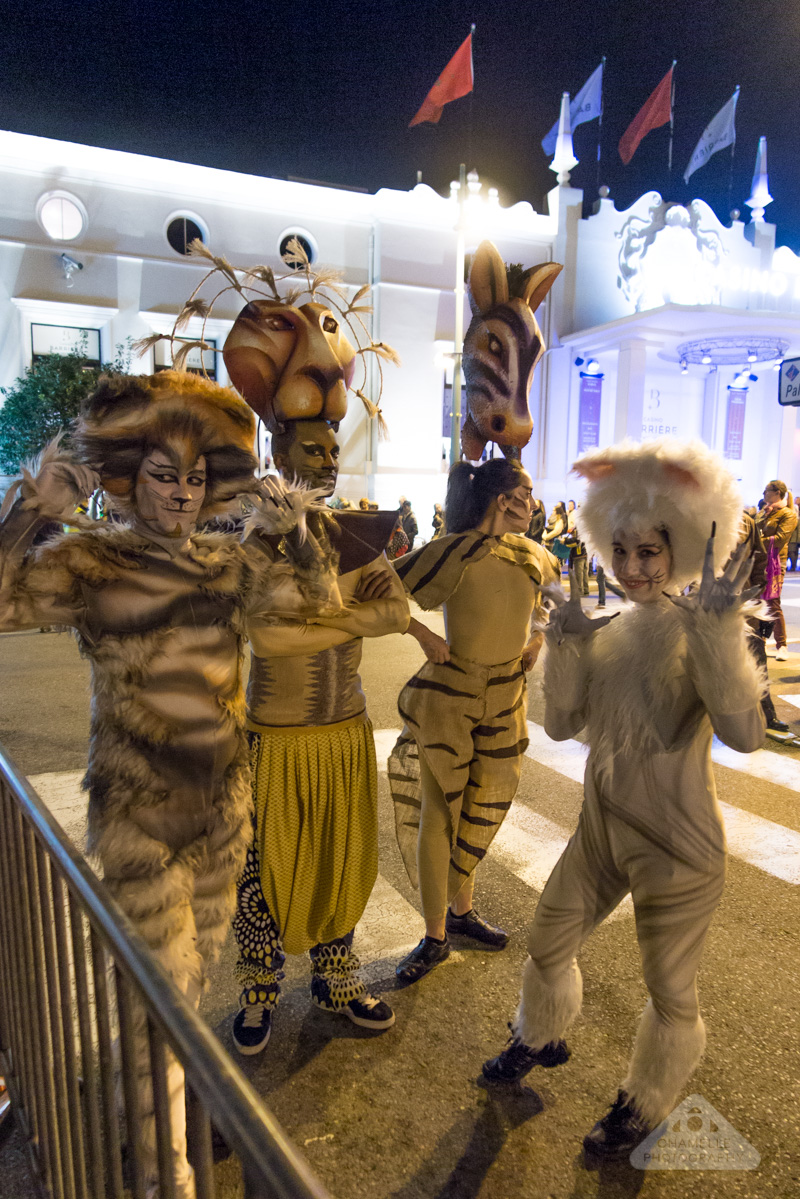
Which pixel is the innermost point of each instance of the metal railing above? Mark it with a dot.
(72, 974)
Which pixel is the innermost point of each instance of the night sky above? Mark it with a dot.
(325, 91)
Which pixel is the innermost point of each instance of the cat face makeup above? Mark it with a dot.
(642, 563)
(169, 496)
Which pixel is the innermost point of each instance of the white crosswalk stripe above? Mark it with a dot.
(528, 843)
(761, 843)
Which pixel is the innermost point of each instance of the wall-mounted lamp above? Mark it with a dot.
(684, 367)
(752, 357)
(706, 359)
(69, 266)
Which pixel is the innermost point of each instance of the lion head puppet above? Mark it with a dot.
(290, 361)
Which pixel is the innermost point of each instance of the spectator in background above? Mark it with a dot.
(398, 542)
(750, 536)
(538, 521)
(409, 522)
(437, 522)
(794, 545)
(363, 504)
(570, 513)
(578, 560)
(776, 521)
(556, 525)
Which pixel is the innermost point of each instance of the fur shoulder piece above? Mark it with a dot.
(95, 555)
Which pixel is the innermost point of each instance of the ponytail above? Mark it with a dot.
(470, 490)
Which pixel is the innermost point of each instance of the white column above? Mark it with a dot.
(631, 371)
(789, 450)
(710, 408)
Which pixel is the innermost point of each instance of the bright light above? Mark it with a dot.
(592, 367)
(751, 357)
(706, 359)
(61, 217)
(684, 367)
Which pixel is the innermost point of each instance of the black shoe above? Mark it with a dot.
(777, 726)
(618, 1133)
(518, 1058)
(471, 925)
(367, 1012)
(252, 1024)
(422, 959)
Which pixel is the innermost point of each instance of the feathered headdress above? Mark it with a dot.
(681, 487)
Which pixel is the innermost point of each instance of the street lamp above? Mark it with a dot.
(472, 211)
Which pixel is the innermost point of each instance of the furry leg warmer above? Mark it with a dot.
(546, 1010)
(664, 1058)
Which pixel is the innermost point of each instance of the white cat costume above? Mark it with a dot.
(650, 688)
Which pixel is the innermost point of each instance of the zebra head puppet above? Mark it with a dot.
(501, 349)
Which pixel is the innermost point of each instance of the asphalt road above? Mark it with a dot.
(402, 1115)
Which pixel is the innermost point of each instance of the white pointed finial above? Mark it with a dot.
(759, 196)
(564, 158)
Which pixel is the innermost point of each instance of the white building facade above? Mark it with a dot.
(663, 320)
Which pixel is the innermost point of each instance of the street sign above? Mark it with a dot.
(789, 382)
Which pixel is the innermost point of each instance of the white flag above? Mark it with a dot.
(587, 105)
(718, 134)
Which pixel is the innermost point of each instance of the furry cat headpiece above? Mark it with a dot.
(680, 487)
(184, 415)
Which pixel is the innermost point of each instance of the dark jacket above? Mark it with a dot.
(410, 527)
(536, 527)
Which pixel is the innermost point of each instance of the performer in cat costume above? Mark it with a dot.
(650, 687)
(159, 610)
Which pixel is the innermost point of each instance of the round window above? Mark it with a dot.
(305, 240)
(182, 230)
(62, 216)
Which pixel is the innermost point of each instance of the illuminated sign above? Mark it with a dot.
(789, 382)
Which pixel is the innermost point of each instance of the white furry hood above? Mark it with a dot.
(680, 487)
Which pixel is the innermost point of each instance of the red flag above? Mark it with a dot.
(453, 83)
(656, 110)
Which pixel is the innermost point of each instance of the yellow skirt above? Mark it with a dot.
(315, 795)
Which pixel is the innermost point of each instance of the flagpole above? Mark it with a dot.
(458, 331)
(471, 96)
(600, 117)
(671, 118)
(733, 151)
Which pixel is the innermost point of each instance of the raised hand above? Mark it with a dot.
(58, 487)
(720, 594)
(281, 508)
(568, 615)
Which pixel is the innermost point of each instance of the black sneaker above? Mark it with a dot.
(518, 1058)
(369, 1012)
(252, 1024)
(422, 959)
(618, 1133)
(471, 925)
(777, 726)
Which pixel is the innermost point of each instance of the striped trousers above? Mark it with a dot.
(468, 723)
